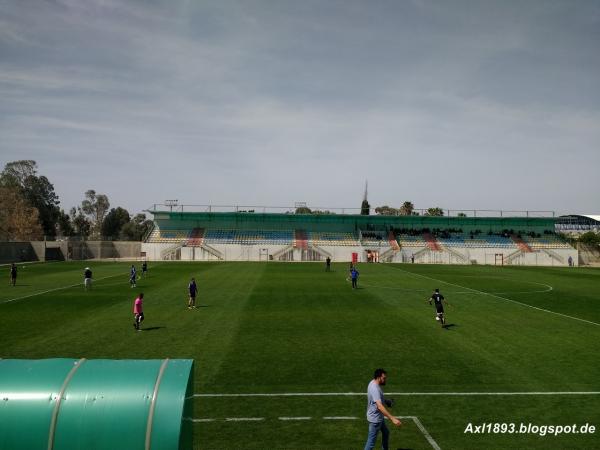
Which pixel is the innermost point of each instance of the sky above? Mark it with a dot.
(454, 104)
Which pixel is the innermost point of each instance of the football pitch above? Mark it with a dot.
(284, 351)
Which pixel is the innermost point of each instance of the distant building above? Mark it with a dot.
(575, 223)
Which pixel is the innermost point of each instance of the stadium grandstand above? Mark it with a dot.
(268, 236)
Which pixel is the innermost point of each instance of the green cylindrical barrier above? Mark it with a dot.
(63, 404)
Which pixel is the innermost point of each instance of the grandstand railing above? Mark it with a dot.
(319, 210)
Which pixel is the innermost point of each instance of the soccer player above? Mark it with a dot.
(439, 300)
(132, 276)
(144, 269)
(193, 290)
(328, 264)
(354, 275)
(87, 279)
(13, 274)
(138, 312)
(376, 410)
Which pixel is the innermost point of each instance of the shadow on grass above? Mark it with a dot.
(449, 326)
(152, 328)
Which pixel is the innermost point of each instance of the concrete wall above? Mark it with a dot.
(487, 256)
(102, 249)
(66, 250)
(589, 255)
(458, 255)
(17, 252)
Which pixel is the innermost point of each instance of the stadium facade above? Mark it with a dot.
(251, 236)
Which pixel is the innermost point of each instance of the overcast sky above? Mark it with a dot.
(457, 104)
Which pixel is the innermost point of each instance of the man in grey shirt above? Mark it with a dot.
(376, 411)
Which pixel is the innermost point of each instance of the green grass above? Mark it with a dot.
(293, 328)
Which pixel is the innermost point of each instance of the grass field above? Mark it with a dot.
(281, 329)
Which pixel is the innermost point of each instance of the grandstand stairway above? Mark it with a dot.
(171, 253)
(213, 251)
(284, 253)
(510, 258)
(523, 246)
(458, 255)
(196, 238)
(421, 253)
(149, 232)
(393, 241)
(432, 242)
(321, 251)
(554, 255)
(388, 255)
(301, 239)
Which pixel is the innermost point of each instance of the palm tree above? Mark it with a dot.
(437, 211)
(407, 209)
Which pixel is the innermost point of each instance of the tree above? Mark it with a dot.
(36, 190)
(387, 211)
(435, 212)
(18, 220)
(303, 210)
(590, 238)
(64, 224)
(81, 225)
(136, 228)
(95, 206)
(407, 209)
(113, 223)
(40, 194)
(15, 173)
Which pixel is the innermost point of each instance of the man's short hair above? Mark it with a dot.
(378, 373)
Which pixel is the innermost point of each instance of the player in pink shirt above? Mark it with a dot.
(138, 312)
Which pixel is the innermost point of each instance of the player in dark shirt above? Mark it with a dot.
(13, 274)
(87, 278)
(328, 264)
(439, 300)
(144, 269)
(193, 290)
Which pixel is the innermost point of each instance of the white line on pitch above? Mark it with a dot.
(340, 418)
(244, 419)
(420, 426)
(497, 296)
(295, 418)
(415, 419)
(405, 394)
(58, 289)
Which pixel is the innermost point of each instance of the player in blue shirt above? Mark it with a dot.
(354, 276)
(132, 276)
